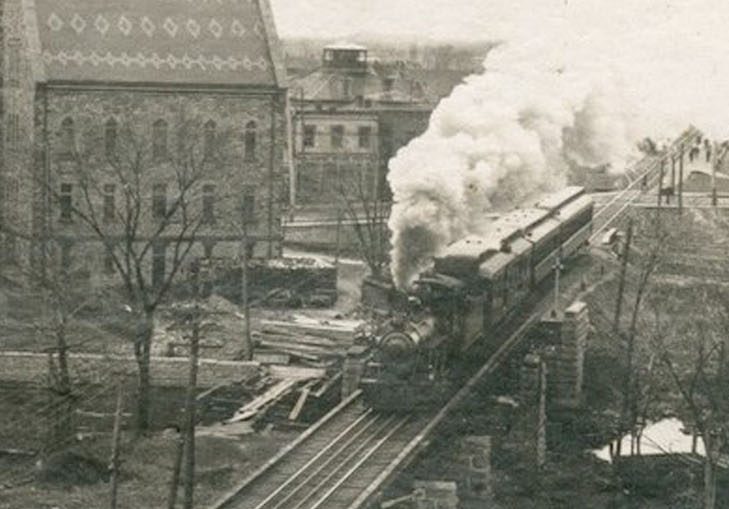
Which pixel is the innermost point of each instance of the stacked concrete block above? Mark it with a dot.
(33, 368)
(533, 419)
(475, 458)
(436, 494)
(566, 368)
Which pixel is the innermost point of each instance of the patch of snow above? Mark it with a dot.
(668, 436)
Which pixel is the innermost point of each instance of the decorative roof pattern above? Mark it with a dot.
(227, 42)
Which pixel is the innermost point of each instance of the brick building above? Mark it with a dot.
(350, 117)
(177, 76)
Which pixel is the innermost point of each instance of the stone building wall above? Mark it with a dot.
(16, 136)
(234, 175)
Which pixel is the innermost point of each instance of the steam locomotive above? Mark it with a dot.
(457, 310)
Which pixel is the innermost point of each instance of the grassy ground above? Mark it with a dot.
(146, 473)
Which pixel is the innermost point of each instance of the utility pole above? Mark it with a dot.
(244, 290)
(714, 163)
(680, 180)
(116, 439)
(190, 403)
(673, 179)
(623, 271)
(557, 269)
(660, 180)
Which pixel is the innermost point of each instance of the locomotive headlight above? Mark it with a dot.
(397, 346)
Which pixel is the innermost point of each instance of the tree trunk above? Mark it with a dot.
(709, 479)
(65, 428)
(142, 353)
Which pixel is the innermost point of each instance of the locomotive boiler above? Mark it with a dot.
(458, 310)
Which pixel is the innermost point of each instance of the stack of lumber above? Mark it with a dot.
(306, 339)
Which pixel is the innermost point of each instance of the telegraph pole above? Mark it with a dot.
(623, 271)
(190, 403)
(714, 163)
(244, 290)
(557, 269)
(680, 180)
(660, 180)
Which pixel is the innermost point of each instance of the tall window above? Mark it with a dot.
(109, 202)
(250, 141)
(248, 207)
(364, 135)
(337, 134)
(110, 135)
(65, 256)
(14, 46)
(13, 129)
(309, 135)
(159, 139)
(108, 261)
(209, 139)
(208, 247)
(65, 200)
(208, 203)
(159, 253)
(159, 201)
(68, 137)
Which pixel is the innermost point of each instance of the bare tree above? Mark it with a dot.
(113, 193)
(701, 385)
(638, 381)
(359, 201)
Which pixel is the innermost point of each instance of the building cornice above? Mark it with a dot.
(165, 88)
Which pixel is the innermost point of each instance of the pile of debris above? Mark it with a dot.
(284, 395)
(280, 282)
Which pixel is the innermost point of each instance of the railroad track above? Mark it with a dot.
(647, 168)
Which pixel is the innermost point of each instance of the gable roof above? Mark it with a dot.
(219, 42)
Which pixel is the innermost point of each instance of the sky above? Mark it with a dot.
(459, 19)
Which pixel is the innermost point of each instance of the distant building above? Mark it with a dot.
(349, 117)
(80, 66)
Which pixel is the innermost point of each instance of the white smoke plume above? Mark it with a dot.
(580, 87)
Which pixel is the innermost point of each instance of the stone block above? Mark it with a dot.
(436, 494)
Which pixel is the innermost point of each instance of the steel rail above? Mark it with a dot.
(359, 463)
(321, 453)
(225, 501)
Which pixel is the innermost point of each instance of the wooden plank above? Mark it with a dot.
(299, 404)
(261, 402)
(271, 357)
(296, 372)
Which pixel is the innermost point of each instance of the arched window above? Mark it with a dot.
(159, 139)
(250, 141)
(68, 137)
(110, 135)
(209, 138)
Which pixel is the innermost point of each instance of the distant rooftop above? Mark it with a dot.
(346, 46)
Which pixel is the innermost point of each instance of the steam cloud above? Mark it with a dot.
(595, 81)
